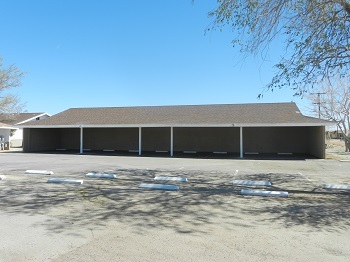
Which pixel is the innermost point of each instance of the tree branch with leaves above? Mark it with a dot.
(316, 37)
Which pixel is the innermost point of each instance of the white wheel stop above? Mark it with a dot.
(159, 187)
(39, 172)
(336, 187)
(251, 183)
(2, 177)
(264, 193)
(64, 181)
(168, 178)
(98, 175)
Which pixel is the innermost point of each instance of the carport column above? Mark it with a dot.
(81, 139)
(241, 142)
(171, 141)
(140, 140)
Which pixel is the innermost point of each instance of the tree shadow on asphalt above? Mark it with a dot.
(206, 200)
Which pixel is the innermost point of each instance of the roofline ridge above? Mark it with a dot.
(187, 105)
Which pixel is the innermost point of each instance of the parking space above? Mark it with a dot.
(290, 175)
(207, 203)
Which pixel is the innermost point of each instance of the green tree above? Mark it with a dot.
(315, 33)
(10, 77)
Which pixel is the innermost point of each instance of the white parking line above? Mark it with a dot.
(64, 181)
(264, 193)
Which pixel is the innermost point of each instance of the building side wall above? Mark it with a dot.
(275, 139)
(317, 141)
(111, 138)
(26, 139)
(18, 134)
(206, 139)
(17, 138)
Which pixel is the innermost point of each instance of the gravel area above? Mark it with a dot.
(336, 150)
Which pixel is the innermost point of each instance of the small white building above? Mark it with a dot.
(5, 131)
(13, 135)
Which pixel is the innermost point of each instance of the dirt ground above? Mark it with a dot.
(335, 149)
(206, 220)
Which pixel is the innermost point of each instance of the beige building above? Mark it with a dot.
(236, 130)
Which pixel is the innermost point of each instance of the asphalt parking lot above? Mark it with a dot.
(68, 221)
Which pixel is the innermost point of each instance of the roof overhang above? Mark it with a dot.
(5, 126)
(180, 125)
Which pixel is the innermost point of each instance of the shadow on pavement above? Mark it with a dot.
(208, 199)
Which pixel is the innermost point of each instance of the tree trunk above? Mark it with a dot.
(347, 143)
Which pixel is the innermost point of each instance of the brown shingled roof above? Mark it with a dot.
(15, 118)
(3, 125)
(260, 114)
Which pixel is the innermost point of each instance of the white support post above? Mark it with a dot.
(81, 140)
(171, 141)
(140, 141)
(240, 142)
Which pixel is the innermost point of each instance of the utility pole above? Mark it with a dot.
(318, 101)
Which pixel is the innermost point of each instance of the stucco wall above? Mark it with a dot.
(40, 139)
(317, 141)
(69, 138)
(156, 139)
(299, 140)
(17, 138)
(206, 139)
(111, 138)
(276, 139)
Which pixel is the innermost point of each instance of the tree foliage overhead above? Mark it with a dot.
(316, 36)
(10, 77)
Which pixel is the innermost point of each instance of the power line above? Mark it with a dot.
(318, 101)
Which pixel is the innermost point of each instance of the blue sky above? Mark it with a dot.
(128, 53)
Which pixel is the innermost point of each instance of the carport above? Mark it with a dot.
(235, 129)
